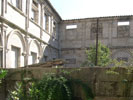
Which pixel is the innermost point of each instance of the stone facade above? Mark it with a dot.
(31, 31)
(114, 32)
(24, 38)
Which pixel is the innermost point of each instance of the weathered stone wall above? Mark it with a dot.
(105, 86)
(73, 42)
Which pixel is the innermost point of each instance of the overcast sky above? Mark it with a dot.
(71, 9)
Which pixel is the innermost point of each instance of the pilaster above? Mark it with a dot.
(4, 46)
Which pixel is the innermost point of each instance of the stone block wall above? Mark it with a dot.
(105, 86)
(74, 42)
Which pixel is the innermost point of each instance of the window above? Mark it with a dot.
(17, 3)
(33, 14)
(34, 11)
(34, 57)
(94, 30)
(71, 26)
(123, 29)
(15, 55)
(45, 58)
(1, 58)
(46, 22)
(54, 28)
(123, 23)
(0, 40)
(122, 59)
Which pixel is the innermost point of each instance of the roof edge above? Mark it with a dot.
(53, 9)
(98, 17)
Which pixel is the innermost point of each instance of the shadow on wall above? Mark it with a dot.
(50, 52)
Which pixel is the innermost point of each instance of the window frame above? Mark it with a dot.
(17, 5)
(35, 11)
(120, 26)
(19, 56)
(46, 22)
(34, 55)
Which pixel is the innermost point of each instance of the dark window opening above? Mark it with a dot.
(1, 58)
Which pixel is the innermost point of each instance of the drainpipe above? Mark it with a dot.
(97, 42)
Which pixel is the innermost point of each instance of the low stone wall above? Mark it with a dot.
(105, 86)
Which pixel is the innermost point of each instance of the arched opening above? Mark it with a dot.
(34, 52)
(16, 49)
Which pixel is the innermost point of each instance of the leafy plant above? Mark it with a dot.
(3, 73)
(21, 90)
(103, 57)
(114, 65)
(51, 87)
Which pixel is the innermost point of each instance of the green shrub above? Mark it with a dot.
(103, 57)
(51, 87)
(3, 73)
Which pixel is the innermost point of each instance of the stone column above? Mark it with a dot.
(3, 32)
(41, 29)
(26, 28)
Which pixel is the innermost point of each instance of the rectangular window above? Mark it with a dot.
(34, 11)
(0, 40)
(94, 30)
(34, 57)
(33, 14)
(15, 57)
(71, 26)
(45, 58)
(123, 23)
(17, 3)
(46, 22)
(123, 28)
(1, 58)
(54, 29)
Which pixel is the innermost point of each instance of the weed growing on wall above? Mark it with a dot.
(3, 73)
(128, 75)
(103, 56)
(51, 87)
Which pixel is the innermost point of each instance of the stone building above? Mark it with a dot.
(31, 31)
(77, 35)
(28, 32)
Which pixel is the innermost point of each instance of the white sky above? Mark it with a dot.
(72, 9)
